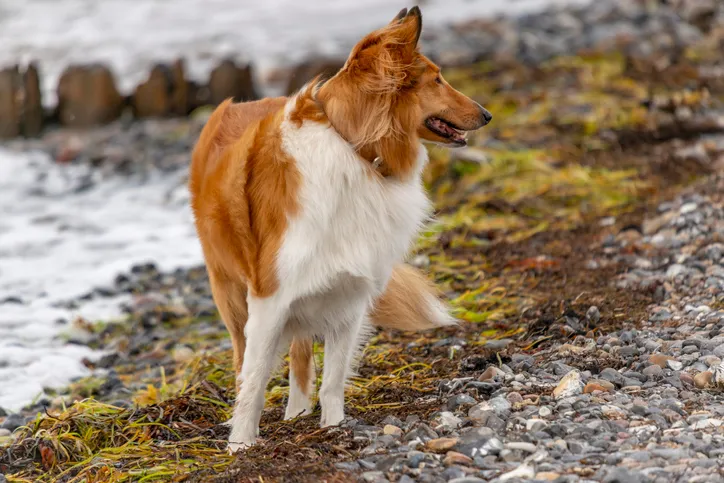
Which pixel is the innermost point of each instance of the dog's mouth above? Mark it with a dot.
(446, 130)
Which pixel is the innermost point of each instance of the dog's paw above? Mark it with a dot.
(236, 446)
(332, 418)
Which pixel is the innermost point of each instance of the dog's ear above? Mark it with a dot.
(406, 27)
(399, 38)
(386, 59)
(399, 16)
(413, 21)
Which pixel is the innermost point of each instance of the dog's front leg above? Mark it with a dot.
(340, 348)
(263, 331)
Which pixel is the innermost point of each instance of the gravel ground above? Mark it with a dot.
(643, 404)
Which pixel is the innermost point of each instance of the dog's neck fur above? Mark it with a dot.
(368, 123)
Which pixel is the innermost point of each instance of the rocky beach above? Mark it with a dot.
(579, 239)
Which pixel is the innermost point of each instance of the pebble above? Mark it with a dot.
(522, 446)
(13, 422)
(442, 444)
(522, 472)
(660, 360)
(490, 373)
(455, 458)
(392, 430)
(570, 385)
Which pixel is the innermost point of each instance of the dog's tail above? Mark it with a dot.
(410, 302)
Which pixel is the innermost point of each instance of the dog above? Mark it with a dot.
(306, 207)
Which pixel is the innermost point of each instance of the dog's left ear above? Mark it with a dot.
(407, 27)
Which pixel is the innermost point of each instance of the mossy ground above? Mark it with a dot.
(573, 141)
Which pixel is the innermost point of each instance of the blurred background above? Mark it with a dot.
(601, 109)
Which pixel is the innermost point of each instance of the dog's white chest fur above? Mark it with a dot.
(352, 226)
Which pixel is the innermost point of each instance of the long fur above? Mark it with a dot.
(304, 234)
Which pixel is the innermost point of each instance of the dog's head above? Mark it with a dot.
(389, 94)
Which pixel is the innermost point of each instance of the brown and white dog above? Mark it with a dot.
(306, 208)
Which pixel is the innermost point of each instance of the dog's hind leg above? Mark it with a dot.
(301, 378)
(230, 298)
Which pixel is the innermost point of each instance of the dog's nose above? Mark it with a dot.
(486, 116)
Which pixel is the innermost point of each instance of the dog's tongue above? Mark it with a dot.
(443, 127)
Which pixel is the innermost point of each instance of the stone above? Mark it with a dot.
(10, 110)
(455, 458)
(523, 471)
(570, 385)
(460, 401)
(654, 370)
(703, 379)
(182, 353)
(306, 71)
(598, 385)
(229, 80)
(13, 422)
(660, 360)
(535, 425)
(448, 420)
(87, 96)
(164, 93)
(611, 375)
(593, 314)
(374, 477)
(442, 444)
(490, 373)
(547, 476)
(522, 446)
(686, 378)
(392, 430)
(33, 116)
(613, 412)
(152, 98)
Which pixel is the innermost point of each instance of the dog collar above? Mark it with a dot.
(377, 164)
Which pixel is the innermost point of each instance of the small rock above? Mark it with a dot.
(442, 444)
(686, 378)
(675, 270)
(613, 412)
(547, 476)
(660, 360)
(523, 472)
(455, 458)
(598, 385)
(593, 314)
(570, 385)
(703, 379)
(392, 430)
(448, 421)
(654, 370)
(522, 446)
(490, 373)
(182, 353)
(374, 477)
(13, 422)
